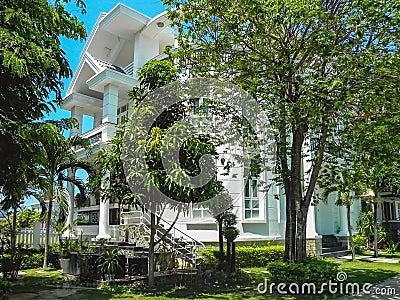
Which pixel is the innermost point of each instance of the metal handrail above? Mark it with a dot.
(186, 235)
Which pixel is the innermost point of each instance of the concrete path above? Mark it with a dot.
(386, 290)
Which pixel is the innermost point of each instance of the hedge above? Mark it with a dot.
(311, 270)
(248, 256)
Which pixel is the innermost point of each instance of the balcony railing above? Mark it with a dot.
(129, 69)
(100, 134)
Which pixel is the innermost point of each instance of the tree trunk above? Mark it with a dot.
(220, 236)
(375, 229)
(233, 258)
(353, 253)
(48, 221)
(290, 231)
(151, 250)
(13, 236)
(228, 254)
(301, 231)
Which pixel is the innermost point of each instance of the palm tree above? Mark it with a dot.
(57, 155)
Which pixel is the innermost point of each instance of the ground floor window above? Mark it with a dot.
(114, 216)
(389, 212)
(199, 212)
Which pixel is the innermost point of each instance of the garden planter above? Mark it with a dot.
(109, 277)
(65, 265)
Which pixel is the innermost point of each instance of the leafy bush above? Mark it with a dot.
(248, 256)
(32, 260)
(360, 243)
(392, 247)
(5, 289)
(312, 270)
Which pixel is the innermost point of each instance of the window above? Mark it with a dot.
(94, 218)
(251, 201)
(398, 211)
(122, 113)
(388, 211)
(199, 212)
(200, 105)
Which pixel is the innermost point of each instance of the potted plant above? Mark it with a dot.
(65, 246)
(109, 263)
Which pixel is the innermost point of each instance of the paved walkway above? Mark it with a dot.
(370, 258)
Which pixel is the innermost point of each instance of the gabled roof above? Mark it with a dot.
(110, 47)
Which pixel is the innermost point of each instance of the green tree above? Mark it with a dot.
(56, 155)
(230, 234)
(32, 69)
(311, 64)
(374, 145)
(153, 75)
(347, 188)
(27, 217)
(220, 209)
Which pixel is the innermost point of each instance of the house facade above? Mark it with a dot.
(122, 41)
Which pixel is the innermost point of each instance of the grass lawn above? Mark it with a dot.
(37, 281)
(371, 272)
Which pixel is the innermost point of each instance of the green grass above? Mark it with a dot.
(371, 272)
(35, 279)
(244, 288)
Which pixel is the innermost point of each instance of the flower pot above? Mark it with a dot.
(109, 277)
(64, 262)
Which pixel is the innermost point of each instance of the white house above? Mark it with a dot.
(122, 41)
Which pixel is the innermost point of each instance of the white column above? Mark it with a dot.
(344, 229)
(110, 104)
(77, 113)
(71, 206)
(37, 227)
(311, 231)
(104, 222)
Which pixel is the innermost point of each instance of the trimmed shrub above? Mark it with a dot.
(31, 261)
(248, 256)
(312, 270)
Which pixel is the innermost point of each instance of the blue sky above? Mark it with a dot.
(73, 48)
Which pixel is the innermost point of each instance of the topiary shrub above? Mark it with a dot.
(248, 256)
(312, 270)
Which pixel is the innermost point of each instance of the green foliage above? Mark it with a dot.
(109, 262)
(32, 261)
(55, 156)
(360, 243)
(312, 270)
(311, 64)
(27, 218)
(80, 220)
(10, 261)
(248, 256)
(392, 247)
(5, 288)
(32, 69)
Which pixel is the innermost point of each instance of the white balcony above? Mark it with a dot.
(98, 137)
